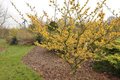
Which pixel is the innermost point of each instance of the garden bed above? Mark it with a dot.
(51, 67)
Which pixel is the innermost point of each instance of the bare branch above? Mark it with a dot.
(3, 15)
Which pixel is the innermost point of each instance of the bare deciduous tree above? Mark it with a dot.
(3, 18)
(3, 15)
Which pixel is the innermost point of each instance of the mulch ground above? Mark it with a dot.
(51, 67)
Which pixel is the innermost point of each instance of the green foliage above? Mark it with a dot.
(114, 60)
(112, 50)
(110, 61)
(39, 38)
(109, 64)
(52, 26)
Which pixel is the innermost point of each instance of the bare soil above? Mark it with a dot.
(52, 67)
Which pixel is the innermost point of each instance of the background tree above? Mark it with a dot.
(3, 18)
(3, 15)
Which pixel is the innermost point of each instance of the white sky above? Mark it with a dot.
(44, 5)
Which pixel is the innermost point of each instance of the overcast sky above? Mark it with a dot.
(41, 5)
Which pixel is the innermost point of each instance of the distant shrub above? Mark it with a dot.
(25, 37)
(39, 38)
(13, 41)
(52, 26)
(3, 32)
(22, 36)
(11, 38)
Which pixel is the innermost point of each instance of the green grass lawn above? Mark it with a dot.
(11, 65)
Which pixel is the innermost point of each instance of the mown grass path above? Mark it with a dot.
(11, 65)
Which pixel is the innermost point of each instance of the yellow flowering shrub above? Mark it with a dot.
(77, 39)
